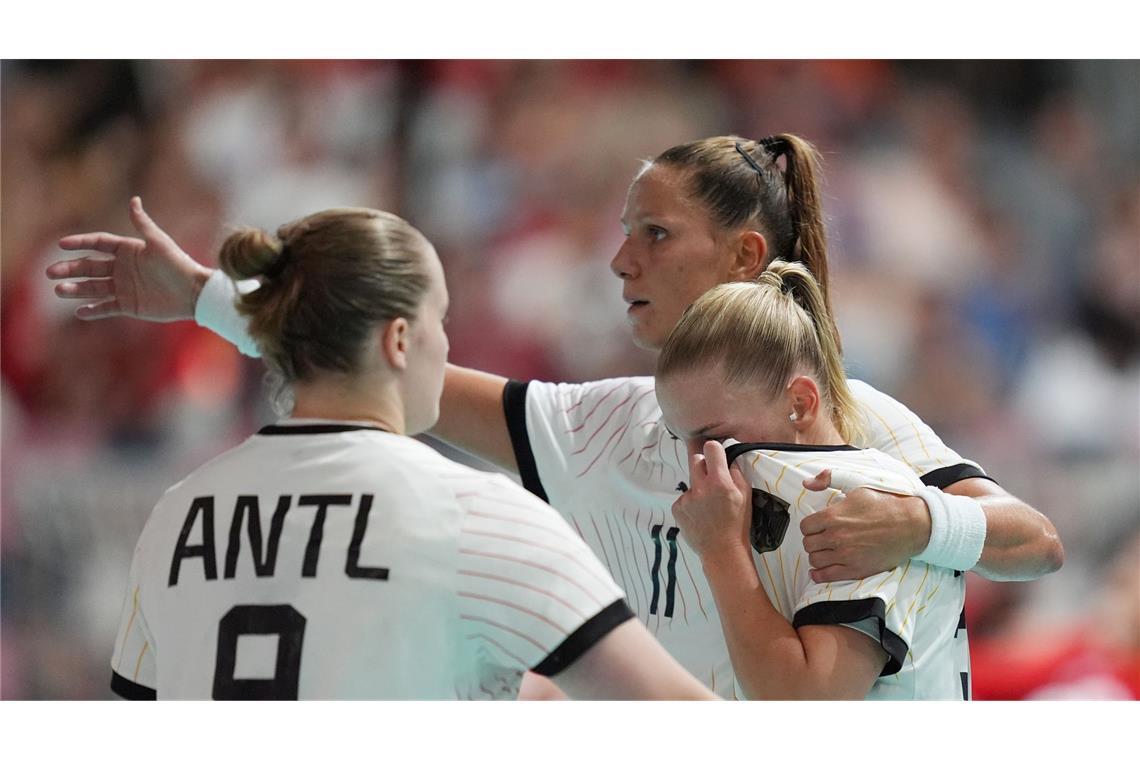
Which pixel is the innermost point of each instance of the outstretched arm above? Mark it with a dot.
(869, 532)
(152, 278)
(471, 416)
(149, 278)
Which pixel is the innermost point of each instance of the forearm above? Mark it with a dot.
(1021, 543)
(471, 416)
(770, 659)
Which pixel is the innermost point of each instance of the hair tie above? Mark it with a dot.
(278, 265)
(776, 146)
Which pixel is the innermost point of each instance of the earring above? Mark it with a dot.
(792, 417)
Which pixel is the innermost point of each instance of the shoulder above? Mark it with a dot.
(594, 390)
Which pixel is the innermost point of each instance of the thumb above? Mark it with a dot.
(820, 482)
(143, 223)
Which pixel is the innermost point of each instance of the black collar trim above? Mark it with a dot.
(736, 449)
(316, 429)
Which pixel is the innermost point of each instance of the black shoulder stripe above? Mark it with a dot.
(852, 611)
(948, 476)
(588, 634)
(130, 690)
(514, 407)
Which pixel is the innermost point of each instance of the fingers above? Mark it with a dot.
(101, 310)
(820, 482)
(697, 468)
(104, 242)
(143, 223)
(815, 543)
(833, 574)
(816, 522)
(715, 460)
(85, 267)
(103, 288)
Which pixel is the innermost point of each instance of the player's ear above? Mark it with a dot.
(393, 339)
(803, 393)
(750, 254)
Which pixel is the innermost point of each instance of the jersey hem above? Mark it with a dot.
(588, 634)
(852, 611)
(128, 689)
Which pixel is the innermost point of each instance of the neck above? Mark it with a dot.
(821, 432)
(354, 400)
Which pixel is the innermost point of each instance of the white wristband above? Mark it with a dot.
(957, 530)
(217, 312)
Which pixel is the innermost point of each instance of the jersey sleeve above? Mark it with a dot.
(133, 671)
(560, 431)
(530, 591)
(879, 606)
(897, 431)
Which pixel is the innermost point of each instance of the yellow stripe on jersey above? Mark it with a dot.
(857, 587)
(914, 600)
(772, 581)
(884, 580)
(918, 435)
(780, 476)
(130, 624)
(138, 662)
(894, 438)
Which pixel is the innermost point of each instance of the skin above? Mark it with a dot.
(772, 659)
(397, 387)
(673, 252)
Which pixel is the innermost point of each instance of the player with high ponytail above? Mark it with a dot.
(711, 211)
(754, 366)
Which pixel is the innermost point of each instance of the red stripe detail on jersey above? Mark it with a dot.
(500, 646)
(605, 446)
(519, 607)
(628, 422)
(605, 422)
(487, 515)
(551, 549)
(587, 417)
(508, 629)
(550, 570)
(513, 582)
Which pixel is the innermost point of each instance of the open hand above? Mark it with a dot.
(149, 278)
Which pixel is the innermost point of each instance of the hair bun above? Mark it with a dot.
(249, 253)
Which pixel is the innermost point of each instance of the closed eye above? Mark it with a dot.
(657, 233)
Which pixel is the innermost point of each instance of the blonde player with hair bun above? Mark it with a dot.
(330, 555)
(758, 362)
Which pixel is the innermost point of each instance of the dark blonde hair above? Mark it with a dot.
(764, 333)
(327, 280)
(741, 183)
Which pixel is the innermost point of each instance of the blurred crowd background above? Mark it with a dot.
(984, 221)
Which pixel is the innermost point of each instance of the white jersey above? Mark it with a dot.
(913, 612)
(601, 455)
(322, 560)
